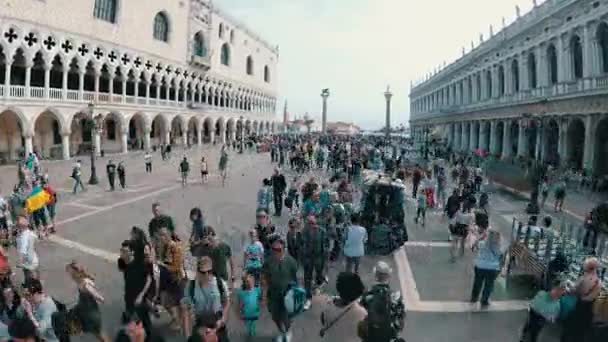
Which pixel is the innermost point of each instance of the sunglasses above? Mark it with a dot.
(277, 249)
(204, 271)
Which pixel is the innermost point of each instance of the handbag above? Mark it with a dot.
(335, 320)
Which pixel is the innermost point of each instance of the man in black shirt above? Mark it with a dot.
(111, 171)
(134, 274)
(278, 189)
(156, 223)
(264, 229)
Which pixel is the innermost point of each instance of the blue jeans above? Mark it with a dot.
(77, 181)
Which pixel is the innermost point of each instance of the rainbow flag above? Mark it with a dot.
(37, 199)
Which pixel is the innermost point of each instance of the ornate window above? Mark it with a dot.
(602, 38)
(225, 54)
(266, 74)
(199, 45)
(161, 27)
(577, 56)
(515, 75)
(532, 81)
(249, 65)
(221, 31)
(105, 10)
(552, 60)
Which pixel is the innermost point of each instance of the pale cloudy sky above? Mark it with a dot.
(357, 47)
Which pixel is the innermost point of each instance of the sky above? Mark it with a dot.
(358, 47)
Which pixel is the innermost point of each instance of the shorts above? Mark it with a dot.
(50, 208)
(39, 217)
(458, 229)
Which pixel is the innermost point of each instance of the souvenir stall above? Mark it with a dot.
(541, 254)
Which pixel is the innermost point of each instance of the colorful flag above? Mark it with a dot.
(37, 199)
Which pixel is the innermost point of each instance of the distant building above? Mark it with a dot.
(340, 127)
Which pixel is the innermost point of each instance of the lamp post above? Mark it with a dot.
(91, 122)
(324, 95)
(426, 143)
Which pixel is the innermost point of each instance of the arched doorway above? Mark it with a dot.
(136, 131)
(47, 136)
(551, 143)
(80, 137)
(111, 133)
(207, 129)
(514, 138)
(193, 131)
(247, 128)
(12, 144)
(531, 136)
(177, 131)
(601, 148)
(158, 131)
(500, 130)
(576, 144)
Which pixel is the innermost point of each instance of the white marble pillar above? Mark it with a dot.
(524, 82)
(167, 137)
(81, 74)
(539, 143)
(562, 147)
(465, 137)
(223, 136)
(64, 83)
(507, 146)
(65, 144)
(212, 136)
(184, 137)
(97, 80)
(47, 80)
(147, 139)
(472, 142)
(493, 136)
(29, 144)
(124, 143)
(199, 136)
(522, 141)
(28, 76)
(589, 149)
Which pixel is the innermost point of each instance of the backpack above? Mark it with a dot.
(294, 300)
(385, 314)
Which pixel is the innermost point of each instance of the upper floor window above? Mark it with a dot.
(161, 27)
(266, 74)
(199, 45)
(225, 54)
(105, 10)
(221, 31)
(249, 65)
(231, 36)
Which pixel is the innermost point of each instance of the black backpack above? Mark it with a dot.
(385, 316)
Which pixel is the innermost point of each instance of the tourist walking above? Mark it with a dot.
(354, 245)
(249, 301)
(280, 270)
(26, 247)
(544, 307)
(463, 222)
(341, 316)
(315, 253)
(111, 172)
(184, 169)
(488, 263)
(39, 309)
(148, 161)
(560, 195)
(76, 175)
(122, 176)
(279, 185)
(87, 308)
(204, 170)
(223, 166)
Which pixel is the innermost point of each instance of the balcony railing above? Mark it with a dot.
(540, 93)
(37, 92)
(73, 95)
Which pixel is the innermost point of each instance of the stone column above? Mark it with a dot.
(199, 136)
(522, 141)
(64, 83)
(590, 129)
(7, 79)
(450, 139)
(493, 136)
(81, 74)
(97, 79)
(28, 75)
(124, 144)
(539, 143)
(542, 71)
(147, 92)
(223, 135)
(184, 137)
(465, 138)
(29, 144)
(65, 144)
(472, 142)
(147, 139)
(524, 82)
(387, 128)
(324, 95)
(457, 136)
(47, 80)
(507, 146)
(168, 137)
(212, 135)
(562, 148)
(587, 52)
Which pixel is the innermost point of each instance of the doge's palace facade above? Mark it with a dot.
(151, 72)
(536, 89)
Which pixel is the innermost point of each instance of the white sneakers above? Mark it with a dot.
(307, 305)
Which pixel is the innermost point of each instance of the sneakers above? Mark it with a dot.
(287, 337)
(307, 305)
